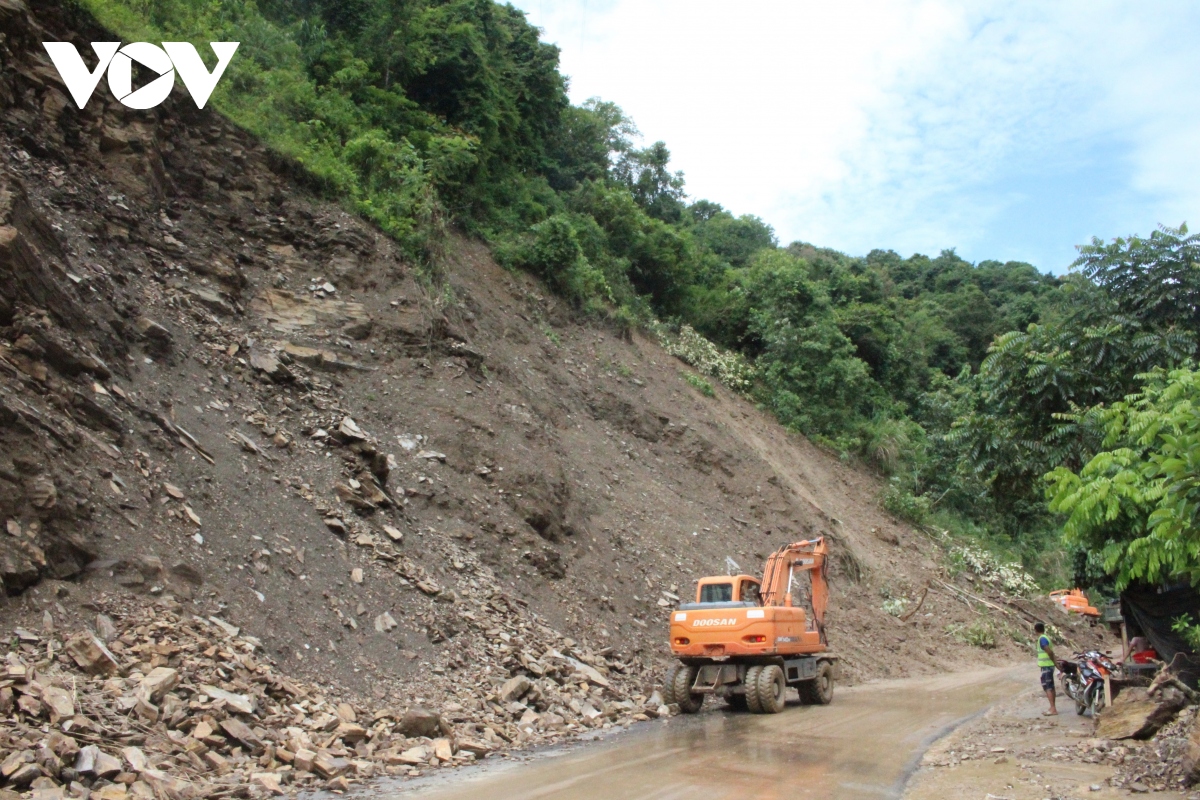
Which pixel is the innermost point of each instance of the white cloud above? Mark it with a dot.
(1010, 131)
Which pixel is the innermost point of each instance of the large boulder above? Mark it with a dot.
(1135, 714)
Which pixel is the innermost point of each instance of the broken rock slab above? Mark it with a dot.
(91, 654)
(1136, 715)
(236, 702)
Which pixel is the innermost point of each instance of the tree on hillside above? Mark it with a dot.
(655, 188)
(1155, 281)
(1034, 384)
(1137, 501)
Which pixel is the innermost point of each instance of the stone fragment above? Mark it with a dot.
(105, 627)
(474, 746)
(418, 721)
(304, 760)
(156, 684)
(217, 762)
(514, 688)
(384, 622)
(237, 702)
(91, 654)
(414, 755)
(329, 766)
(64, 746)
(30, 705)
(267, 780)
(24, 775)
(443, 749)
(14, 761)
(158, 338)
(236, 729)
(350, 430)
(351, 733)
(135, 758)
(59, 702)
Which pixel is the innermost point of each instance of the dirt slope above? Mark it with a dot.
(217, 389)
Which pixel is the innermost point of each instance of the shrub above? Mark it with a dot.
(903, 504)
(979, 633)
(731, 369)
(895, 606)
(699, 384)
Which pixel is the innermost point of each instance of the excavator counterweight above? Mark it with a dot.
(746, 639)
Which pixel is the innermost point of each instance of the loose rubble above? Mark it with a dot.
(158, 702)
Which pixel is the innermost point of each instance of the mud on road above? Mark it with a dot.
(865, 744)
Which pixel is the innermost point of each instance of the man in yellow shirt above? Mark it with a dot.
(1046, 660)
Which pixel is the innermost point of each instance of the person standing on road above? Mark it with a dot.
(1046, 660)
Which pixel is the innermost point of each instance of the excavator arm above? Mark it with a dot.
(780, 571)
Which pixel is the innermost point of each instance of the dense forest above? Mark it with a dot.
(1049, 417)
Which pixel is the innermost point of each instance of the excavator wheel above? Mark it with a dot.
(668, 689)
(771, 688)
(751, 682)
(819, 690)
(678, 689)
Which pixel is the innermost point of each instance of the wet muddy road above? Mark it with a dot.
(863, 745)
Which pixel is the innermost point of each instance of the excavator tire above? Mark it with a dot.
(819, 690)
(751, 682)
(668, 689)
(771, 690)
(680, 680)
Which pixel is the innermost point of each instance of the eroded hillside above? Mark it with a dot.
(221, 397)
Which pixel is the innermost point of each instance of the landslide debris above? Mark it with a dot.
(159, 702)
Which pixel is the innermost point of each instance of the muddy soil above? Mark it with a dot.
(863, 745)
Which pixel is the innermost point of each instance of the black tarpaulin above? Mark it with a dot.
(1151, 611)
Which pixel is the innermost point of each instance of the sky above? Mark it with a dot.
(1004, 130)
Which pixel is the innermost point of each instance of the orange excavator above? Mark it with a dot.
(747, 640)
(1074, 601)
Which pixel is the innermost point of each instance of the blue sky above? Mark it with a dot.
(1004, 130)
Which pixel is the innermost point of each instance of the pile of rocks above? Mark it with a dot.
(155, 702)
(1164, 762)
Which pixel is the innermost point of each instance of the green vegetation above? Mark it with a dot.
(979, 633)
(963, 383)
(699, 384)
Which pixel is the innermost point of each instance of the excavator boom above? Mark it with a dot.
(781, 571)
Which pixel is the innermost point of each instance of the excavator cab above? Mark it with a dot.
(727, 591)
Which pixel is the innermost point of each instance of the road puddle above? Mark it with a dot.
(863, 745)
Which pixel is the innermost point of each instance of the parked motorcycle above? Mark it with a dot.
(1083, 680)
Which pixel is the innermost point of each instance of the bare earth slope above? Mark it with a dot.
(222, 397)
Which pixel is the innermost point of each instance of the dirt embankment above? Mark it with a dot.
(223, 398)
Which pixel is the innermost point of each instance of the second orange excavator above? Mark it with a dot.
(747, 640)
